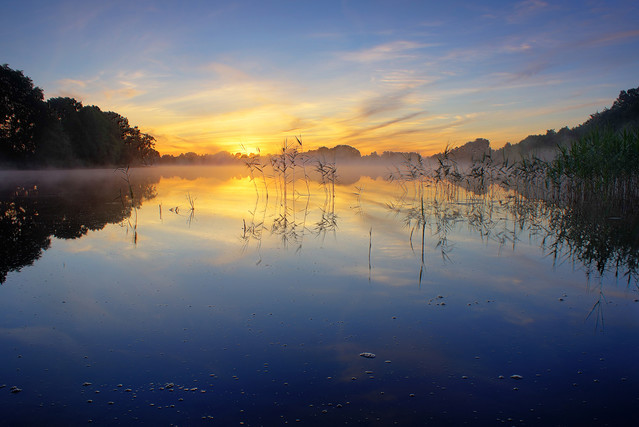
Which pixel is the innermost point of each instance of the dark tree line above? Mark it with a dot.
(622, 115)
(61, 132)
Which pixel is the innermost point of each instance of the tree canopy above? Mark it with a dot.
(21, 108)
(61, 132)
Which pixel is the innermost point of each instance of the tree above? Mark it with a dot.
(64, 108)
(54, 135)
(21, 109)
(99, 141)
(139, 147)
(63, 132)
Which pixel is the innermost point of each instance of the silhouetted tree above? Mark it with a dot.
(624, 113)
(138, 146)
(21, 109)
(99, 141)
(63, 132)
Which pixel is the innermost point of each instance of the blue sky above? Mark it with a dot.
(401, 75)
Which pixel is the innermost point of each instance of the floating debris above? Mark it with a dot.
(516, 377)
(15, 389)
(86, 384)
(367, 355)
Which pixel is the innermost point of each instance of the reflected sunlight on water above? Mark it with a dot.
(211, 295)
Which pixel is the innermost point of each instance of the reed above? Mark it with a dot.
(583, 205)
(130, 203)
(602, 166)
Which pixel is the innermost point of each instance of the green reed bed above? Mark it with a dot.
(602, 167)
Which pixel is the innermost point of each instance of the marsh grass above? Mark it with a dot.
(583, 206)
(289, 210)
(129, 202)
(602, 167)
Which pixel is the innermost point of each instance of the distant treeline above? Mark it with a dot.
(61, 132)
(622, 115)
(339, 153)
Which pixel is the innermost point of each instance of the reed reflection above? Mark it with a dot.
(509, 203)
(291, 207)
(502, 201)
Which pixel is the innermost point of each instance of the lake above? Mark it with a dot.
(188, 295)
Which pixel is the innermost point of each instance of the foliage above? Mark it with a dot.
(622, 115)
(21, 110)
(61, 132)
(602, 165)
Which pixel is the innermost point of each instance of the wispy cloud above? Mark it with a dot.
(405, 78)
(72, 82)
(384, 124)
(227, 73)
(525, 9)
(386, 52)
(529, 71)
(123, 93)
(383, 103)
(78, 16)
(609, 38)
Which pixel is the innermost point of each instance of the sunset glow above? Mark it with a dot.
(400, 75)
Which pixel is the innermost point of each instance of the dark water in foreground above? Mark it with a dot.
(254, 310)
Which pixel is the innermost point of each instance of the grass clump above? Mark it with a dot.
(601, 165)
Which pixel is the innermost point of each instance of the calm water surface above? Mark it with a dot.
(120, 304)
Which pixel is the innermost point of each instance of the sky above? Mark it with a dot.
(206, 76)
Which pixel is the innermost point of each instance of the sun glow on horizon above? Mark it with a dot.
(208, 78)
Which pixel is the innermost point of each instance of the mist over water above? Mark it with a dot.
(186, 295)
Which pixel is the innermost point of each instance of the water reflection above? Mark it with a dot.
(256, 297)
(66, 205)
(585, 235)
(36, 206)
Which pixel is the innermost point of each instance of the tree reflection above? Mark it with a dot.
(67, 205)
